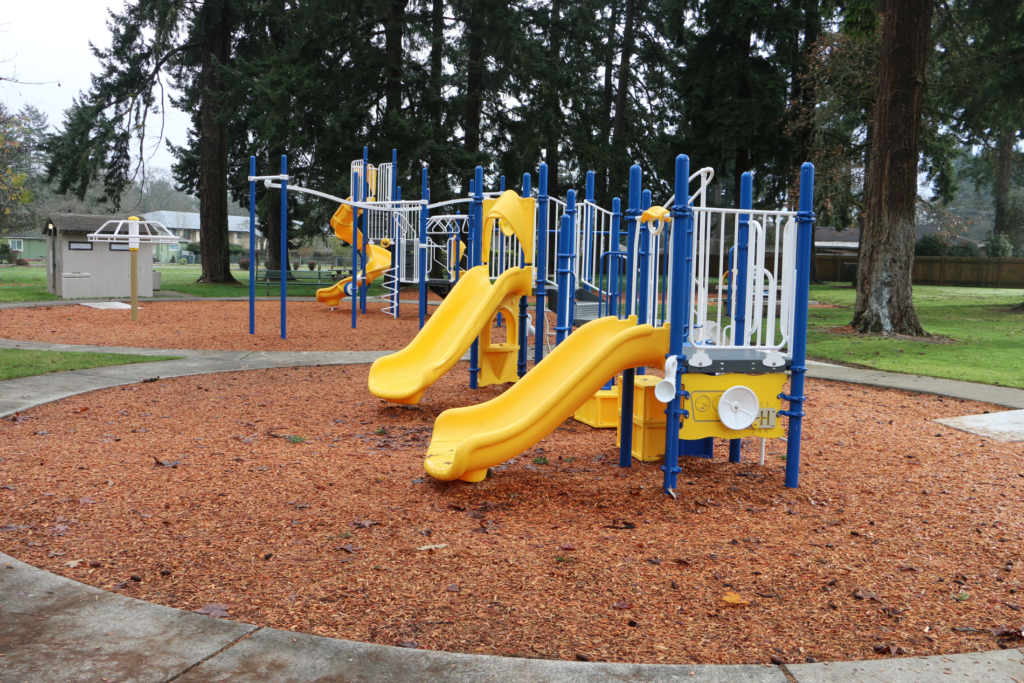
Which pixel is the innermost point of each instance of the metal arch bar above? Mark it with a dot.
(254, 178)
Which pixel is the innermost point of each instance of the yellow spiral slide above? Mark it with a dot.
(378, 259)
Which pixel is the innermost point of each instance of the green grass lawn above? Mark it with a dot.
(29, 284)
(989, 338)
(16, 363)
(24, 283)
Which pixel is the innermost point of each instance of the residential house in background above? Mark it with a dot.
(28, 245)
(186, 227)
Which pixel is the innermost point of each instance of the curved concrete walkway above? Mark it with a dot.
(56, 629)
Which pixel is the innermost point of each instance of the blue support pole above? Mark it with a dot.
(422, 248)
(644, 268)
(284, 248)
(626, 389)
(615, 263)
(541, 262)
(477, 249)
(252, 247)
(396, 244)
(804, 240)
(356, 188)
(524, 337)
(566, 279)
(396, 196)
(679, 316)
(365, 224)
(740, 302)
(587, 263)
(502, 183)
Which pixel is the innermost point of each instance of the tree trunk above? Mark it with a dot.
(884, 287)
(745, 97)
(394, 30)
(474, 76)
(606, 105)
(1005, 142)
(620, 158)
(554, 102)
(436, 63)
(272, 219)
(804, 95)
(213, 151)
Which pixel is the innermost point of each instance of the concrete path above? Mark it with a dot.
(56, 629)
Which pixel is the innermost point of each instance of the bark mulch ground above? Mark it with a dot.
(218, 326)
(294, 499)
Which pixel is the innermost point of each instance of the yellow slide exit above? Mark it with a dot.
(378, 259)
(468, 309)
(466, 441)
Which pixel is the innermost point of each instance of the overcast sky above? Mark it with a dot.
(47, 41)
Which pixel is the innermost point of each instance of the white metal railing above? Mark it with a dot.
(714, 286)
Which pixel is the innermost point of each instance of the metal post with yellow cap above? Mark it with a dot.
(133, 249)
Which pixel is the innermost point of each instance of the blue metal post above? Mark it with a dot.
(644, 265)
(365, 224)
(541, 262)
(679, 316)
(524, 337)
(586, 263)
(354, 192)
(477, 259)
(422, 248)
(502, 183)
(615, 284)
(626, 388)
(396, 196)
(740, 302)
(396, 244)
(284, 248)
(252, 247)
(566, 283)
(805, 238)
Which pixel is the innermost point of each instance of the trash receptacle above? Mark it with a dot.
(156, 280)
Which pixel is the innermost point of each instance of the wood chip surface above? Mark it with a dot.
(299, 502)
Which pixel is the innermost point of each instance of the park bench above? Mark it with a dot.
(316, 278)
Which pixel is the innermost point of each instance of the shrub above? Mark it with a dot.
(5, 252)
(237, 249)
(193, 247)
(998, 245)
(965, 249)
(311, 265)
(935, 244)
(243, 264)
(174, 259)
(20, 262)
(295, 266)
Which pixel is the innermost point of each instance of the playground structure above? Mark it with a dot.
(715, 296)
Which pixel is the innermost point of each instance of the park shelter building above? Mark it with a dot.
(79, 269)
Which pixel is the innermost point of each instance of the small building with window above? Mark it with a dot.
(79, 269)
(26, 245)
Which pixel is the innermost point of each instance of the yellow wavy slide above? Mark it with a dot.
(402, 377)
(378, 259)
(466, 441)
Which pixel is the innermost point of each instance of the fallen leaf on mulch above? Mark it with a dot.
(866, 595)
(731, 598)
(364, 524)
(567, 546)
(54, 553)
(348, 548)
(165, 463)
(622, 525)
(889, 649)
(73, 564)
(87, 500)
(1007, 632)
(433, 547)
(214, 610)
(408, 643)
(13, 527)
(80, 410)
(622, 604)
(454, 588)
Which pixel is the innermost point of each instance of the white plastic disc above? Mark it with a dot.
(348, 288)
(738, 408)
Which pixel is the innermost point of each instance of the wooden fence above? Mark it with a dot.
(954, 271)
